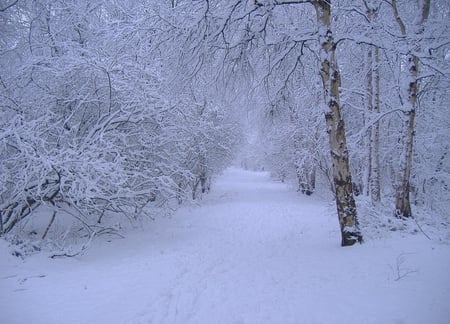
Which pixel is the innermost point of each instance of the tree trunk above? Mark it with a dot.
(329, 71)
(402, 199)
(312, 180)
(306, 178)
(375, 186)
(194, 188)
(373, 106)
(369, 103)
(373, 102)
(411, 88)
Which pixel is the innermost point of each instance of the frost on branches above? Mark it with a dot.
(91, 123)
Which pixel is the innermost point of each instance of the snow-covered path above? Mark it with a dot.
(253, 252)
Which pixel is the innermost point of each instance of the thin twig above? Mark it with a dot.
(49, 225)
(415, 220)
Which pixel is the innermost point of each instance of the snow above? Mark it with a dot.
(253, 251)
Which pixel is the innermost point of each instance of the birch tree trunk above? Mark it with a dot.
(369, 104)
(411, 88)
(331, 80)
(373, 106)
(375, 186)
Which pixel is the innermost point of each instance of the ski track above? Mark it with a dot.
(252, 252)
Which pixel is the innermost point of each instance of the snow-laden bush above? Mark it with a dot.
(91, 124)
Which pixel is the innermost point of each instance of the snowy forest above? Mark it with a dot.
(120, 108)
(204, 161)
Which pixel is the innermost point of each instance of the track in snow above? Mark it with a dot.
(253, 252)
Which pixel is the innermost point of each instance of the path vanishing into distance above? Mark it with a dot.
(253, 251)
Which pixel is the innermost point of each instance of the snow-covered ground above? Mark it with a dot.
(253, 252)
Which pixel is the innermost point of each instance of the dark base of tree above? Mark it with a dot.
(402, 214)
(349, 238)
(306, 181)
(402, 207)
(306, 192)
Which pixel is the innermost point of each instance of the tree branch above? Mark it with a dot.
(9, 6)
(398, 18)
(260, 3)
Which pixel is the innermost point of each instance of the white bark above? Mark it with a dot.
(342, 179)
(411, 90)
(373, 100)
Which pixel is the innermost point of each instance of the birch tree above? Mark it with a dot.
(410, 91)
(331, 82)
(345, 202)
(373, 105)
